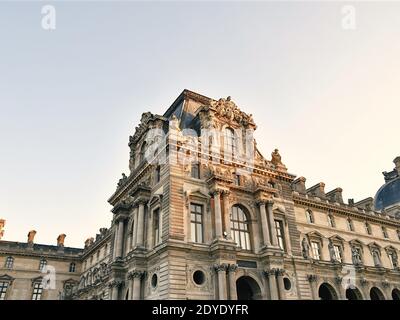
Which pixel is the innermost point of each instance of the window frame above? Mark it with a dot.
(331, 220)
(37, 290)
(195, 224)
(3, 293)
(195, 170)
(42, 264)
(72, 267)
(9, 263)
(318, 247)
(279, 225)
(241, 229)
(156, 226)
(310, 216)
(230, 143)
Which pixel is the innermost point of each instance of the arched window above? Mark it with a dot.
(310, 216)
(368, 228)
(331, 220)
(240, 228)
(72, 267)
(42, 264)
(350, 226)
(9, 262)
(230, 143)
(143, 149)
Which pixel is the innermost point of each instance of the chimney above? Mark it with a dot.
(60, 240)
(317, 190)
(335, 195)
(351, 202)
(2, 224)
(89, 242)
(397, 164)
(299, 185)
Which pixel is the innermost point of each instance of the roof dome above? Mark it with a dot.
(388, 194)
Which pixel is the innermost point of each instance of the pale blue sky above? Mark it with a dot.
(328, 98)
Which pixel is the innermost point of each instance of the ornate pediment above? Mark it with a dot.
(227, 109)
(6, 277)
(143, 126)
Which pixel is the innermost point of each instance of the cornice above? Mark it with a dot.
(343, 211)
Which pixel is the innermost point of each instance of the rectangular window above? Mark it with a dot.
(195, 171)
(338, 253)
(3, 290)
(156, 226)
(384, 232)
(331, 222)
(196, 222)
(280, 234)
(316, 250)
(37, 291)
(158, 174)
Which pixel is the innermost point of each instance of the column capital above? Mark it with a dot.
(136, 274)
(269, 202)
(312, 278)
(270, 272)
(280, 272)
(220, 267)
(140, 201)
(232, 267)
(116, 283)
(225, 192)
(120, 217)
(261, 202)
(216, 192)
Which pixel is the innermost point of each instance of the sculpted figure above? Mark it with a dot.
(331, 251)
(276, 157)
(306, 248)
(356, 257)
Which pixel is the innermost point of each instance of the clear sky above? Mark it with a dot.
(327, 97)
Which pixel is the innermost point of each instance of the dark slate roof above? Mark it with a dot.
(38, 248)
(388, 195)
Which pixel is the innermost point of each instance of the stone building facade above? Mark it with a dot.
(30, 271)
(203, 214)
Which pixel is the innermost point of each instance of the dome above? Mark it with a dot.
(388, 195)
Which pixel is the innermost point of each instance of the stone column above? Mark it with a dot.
(312, 278)
(271, 275)
(135, 227)
(120, 238)
(264, 224)
(140, 227)
(115, 240)
(115, 286)
(227, 216)
(221, 274)
(136, 277)
(232, 281)
(217, 214)
(281, 286)
(272, 230)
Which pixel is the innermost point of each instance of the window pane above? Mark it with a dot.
(199, 233)
(193, 232)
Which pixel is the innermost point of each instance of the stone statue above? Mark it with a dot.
(356, 256)
(122, 180)
(394, 260)
(31, 236)
(60, 240)
(375, 256)
(306, 248)
(331, 249)
(276, 157)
